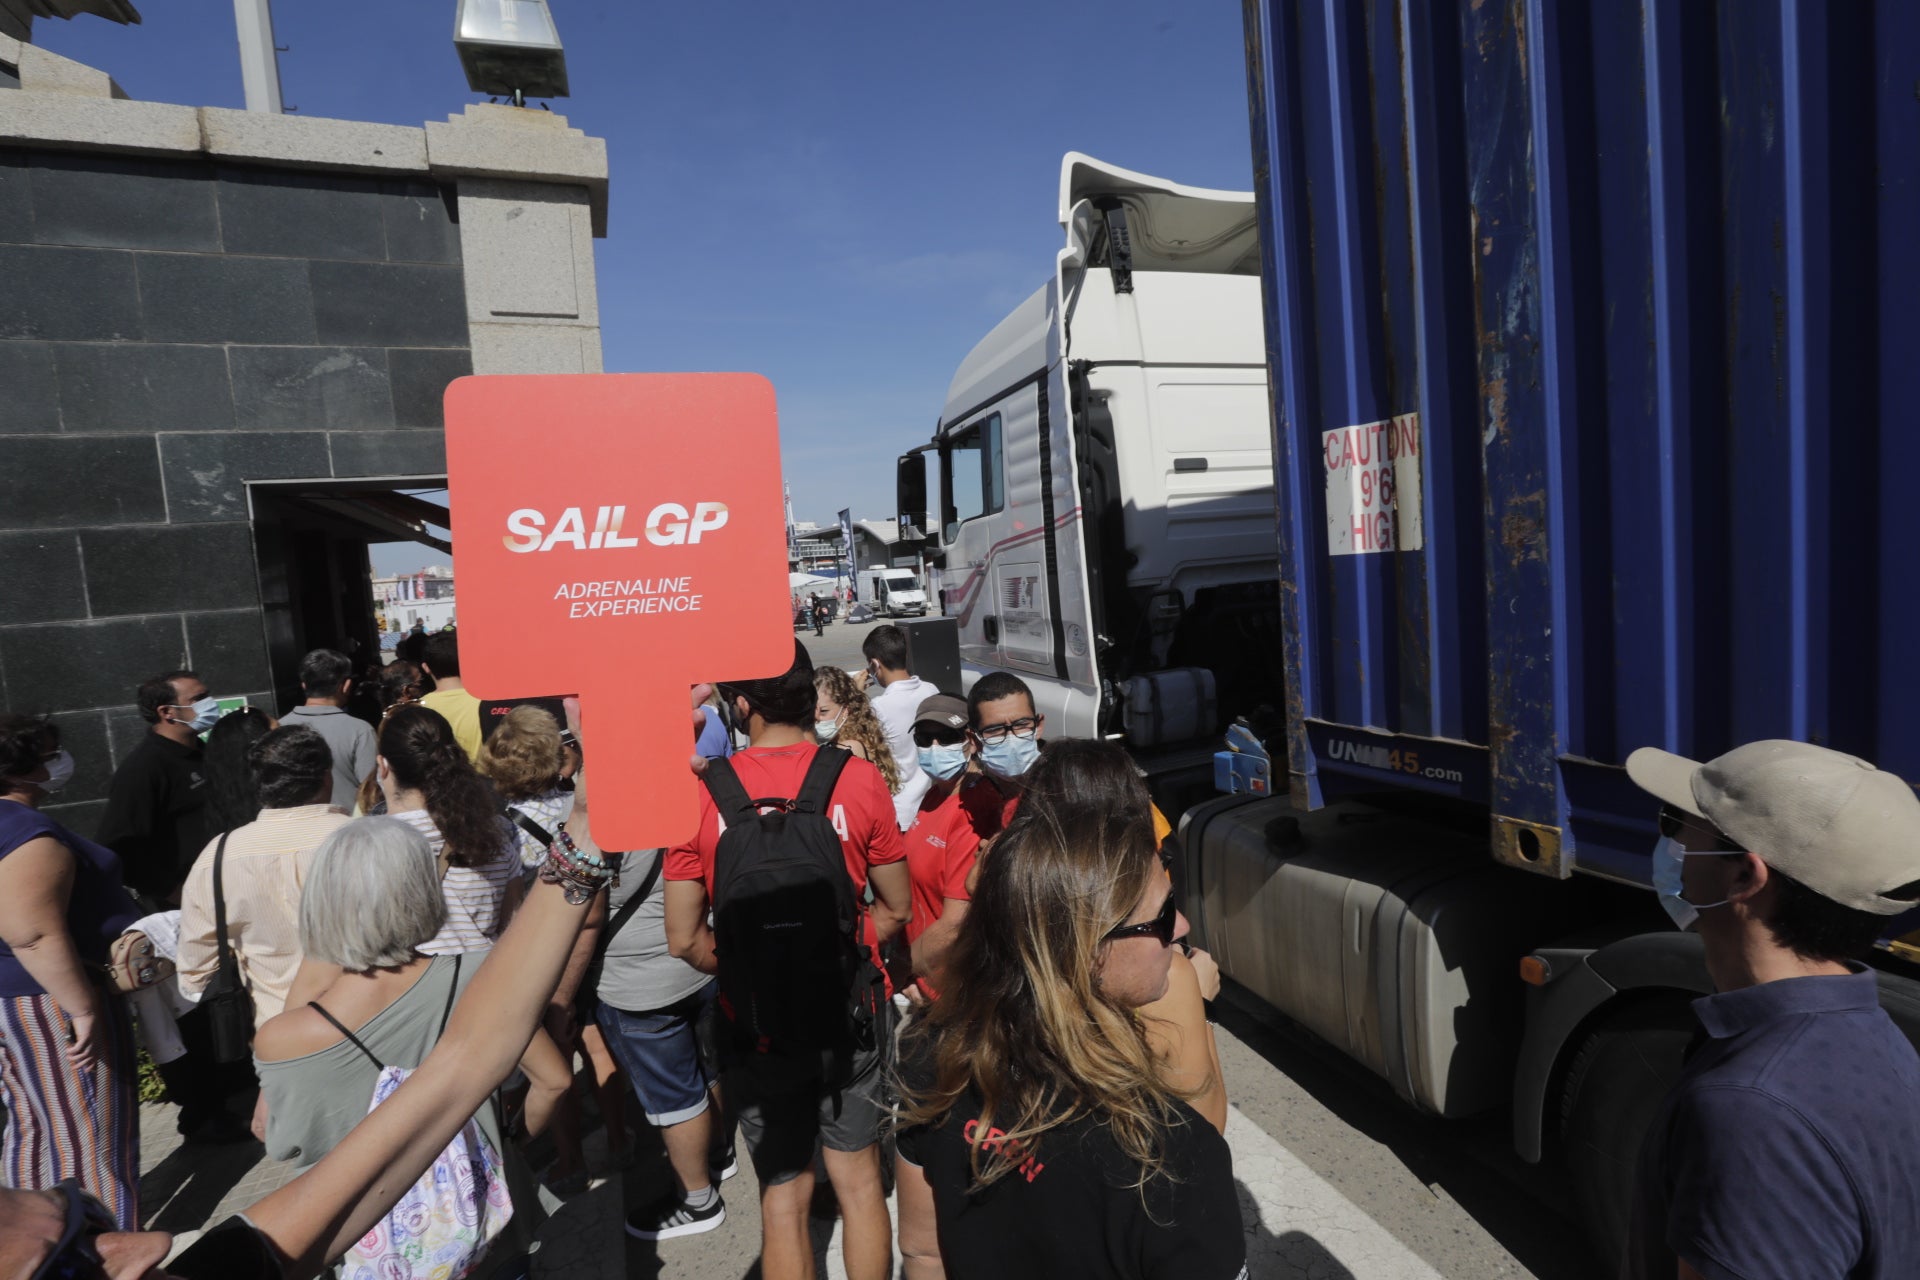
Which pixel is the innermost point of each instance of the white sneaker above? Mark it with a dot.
(670, 1218)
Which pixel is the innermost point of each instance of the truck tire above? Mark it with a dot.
(1614, 1087)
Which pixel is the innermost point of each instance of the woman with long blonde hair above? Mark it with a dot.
(844, 718)
(1041, 1131)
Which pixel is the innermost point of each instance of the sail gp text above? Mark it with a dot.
(620, 597)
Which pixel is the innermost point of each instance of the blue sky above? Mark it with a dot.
(843, 195)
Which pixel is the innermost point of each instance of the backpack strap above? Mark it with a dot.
(351, 1038)
(822, 775)
(723, 784)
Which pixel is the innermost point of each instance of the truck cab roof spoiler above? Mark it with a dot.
(1170, 226)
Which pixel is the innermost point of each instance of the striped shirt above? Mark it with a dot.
(265, 866)
(549, 812)
(476, 896)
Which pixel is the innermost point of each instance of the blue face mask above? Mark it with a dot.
(1011, 756)
(1668, 858)
(943, 762)
(206, 712)
(825, 729)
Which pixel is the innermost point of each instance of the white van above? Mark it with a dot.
(892, 593)
(1106, 524)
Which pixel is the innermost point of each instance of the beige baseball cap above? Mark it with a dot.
(1841, 827)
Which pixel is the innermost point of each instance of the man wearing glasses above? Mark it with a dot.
(1006, 734)
(1790, 1147)
(1004, 731)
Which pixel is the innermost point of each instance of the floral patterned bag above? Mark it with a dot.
(443, 1223)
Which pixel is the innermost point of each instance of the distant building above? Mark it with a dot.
(819, 548)
(435, 583)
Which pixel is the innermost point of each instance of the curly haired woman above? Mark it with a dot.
(844, 718)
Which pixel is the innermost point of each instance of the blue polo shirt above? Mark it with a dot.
(1790, 1147)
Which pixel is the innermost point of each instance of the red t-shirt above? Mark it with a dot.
(985, 807)
(861, 811)
(940, 848)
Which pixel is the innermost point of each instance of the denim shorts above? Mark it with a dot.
(660, 1052)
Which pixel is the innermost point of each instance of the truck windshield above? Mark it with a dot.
(901, 582)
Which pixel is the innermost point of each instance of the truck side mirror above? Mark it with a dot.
(910, 492)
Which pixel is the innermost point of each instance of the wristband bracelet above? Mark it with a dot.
(580, 875)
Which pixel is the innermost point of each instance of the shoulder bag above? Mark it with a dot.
(228, 1003)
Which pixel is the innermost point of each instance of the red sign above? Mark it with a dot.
(622, 536)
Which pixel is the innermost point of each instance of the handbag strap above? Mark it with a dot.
(351, 1038)
(633, 903)
(453, 992)
(220, 903)
(532, 828)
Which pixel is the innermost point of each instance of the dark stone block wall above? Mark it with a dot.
(170, 330)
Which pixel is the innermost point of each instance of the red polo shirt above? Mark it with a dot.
(861, 812)
(940, 848)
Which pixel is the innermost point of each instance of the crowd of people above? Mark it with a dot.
(912, 943)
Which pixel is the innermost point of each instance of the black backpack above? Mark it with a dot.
(795, 976)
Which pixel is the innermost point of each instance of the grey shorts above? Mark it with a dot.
(786, 1112)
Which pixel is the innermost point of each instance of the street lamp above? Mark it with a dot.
(510, 48)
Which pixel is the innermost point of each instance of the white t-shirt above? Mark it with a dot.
(476, 896)
(897, 705)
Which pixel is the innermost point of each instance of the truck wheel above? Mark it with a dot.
(1615, 1086)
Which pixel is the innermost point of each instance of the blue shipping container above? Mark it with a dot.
(1595, 356)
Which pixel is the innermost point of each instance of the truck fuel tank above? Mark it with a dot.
(1395, 941)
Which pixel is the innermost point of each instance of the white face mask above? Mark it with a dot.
(825, 729)
(59, 773)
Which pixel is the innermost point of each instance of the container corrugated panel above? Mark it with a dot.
(1595, 338)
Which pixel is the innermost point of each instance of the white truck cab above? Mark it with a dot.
(1106, 520)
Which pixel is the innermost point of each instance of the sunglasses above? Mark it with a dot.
(1673, 821)
(1161, 926)
(75, 1257)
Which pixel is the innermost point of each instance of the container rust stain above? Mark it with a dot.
(1523, 529)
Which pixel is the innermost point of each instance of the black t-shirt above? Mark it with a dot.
(494, 710)
(156, 817)
(1071, 1209)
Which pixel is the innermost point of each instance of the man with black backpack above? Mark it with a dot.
(790, 837)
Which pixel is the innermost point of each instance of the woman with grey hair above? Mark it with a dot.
(371, 899)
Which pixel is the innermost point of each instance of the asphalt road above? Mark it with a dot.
(839, 645)
(1338, 1180)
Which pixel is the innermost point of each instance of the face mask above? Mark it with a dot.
(943, 762)
(205, 713)
(825, 729)
(1667, 882)
(1010, 757)
(59, 771)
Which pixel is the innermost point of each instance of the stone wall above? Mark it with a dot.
(170, 329)
(192, 298)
